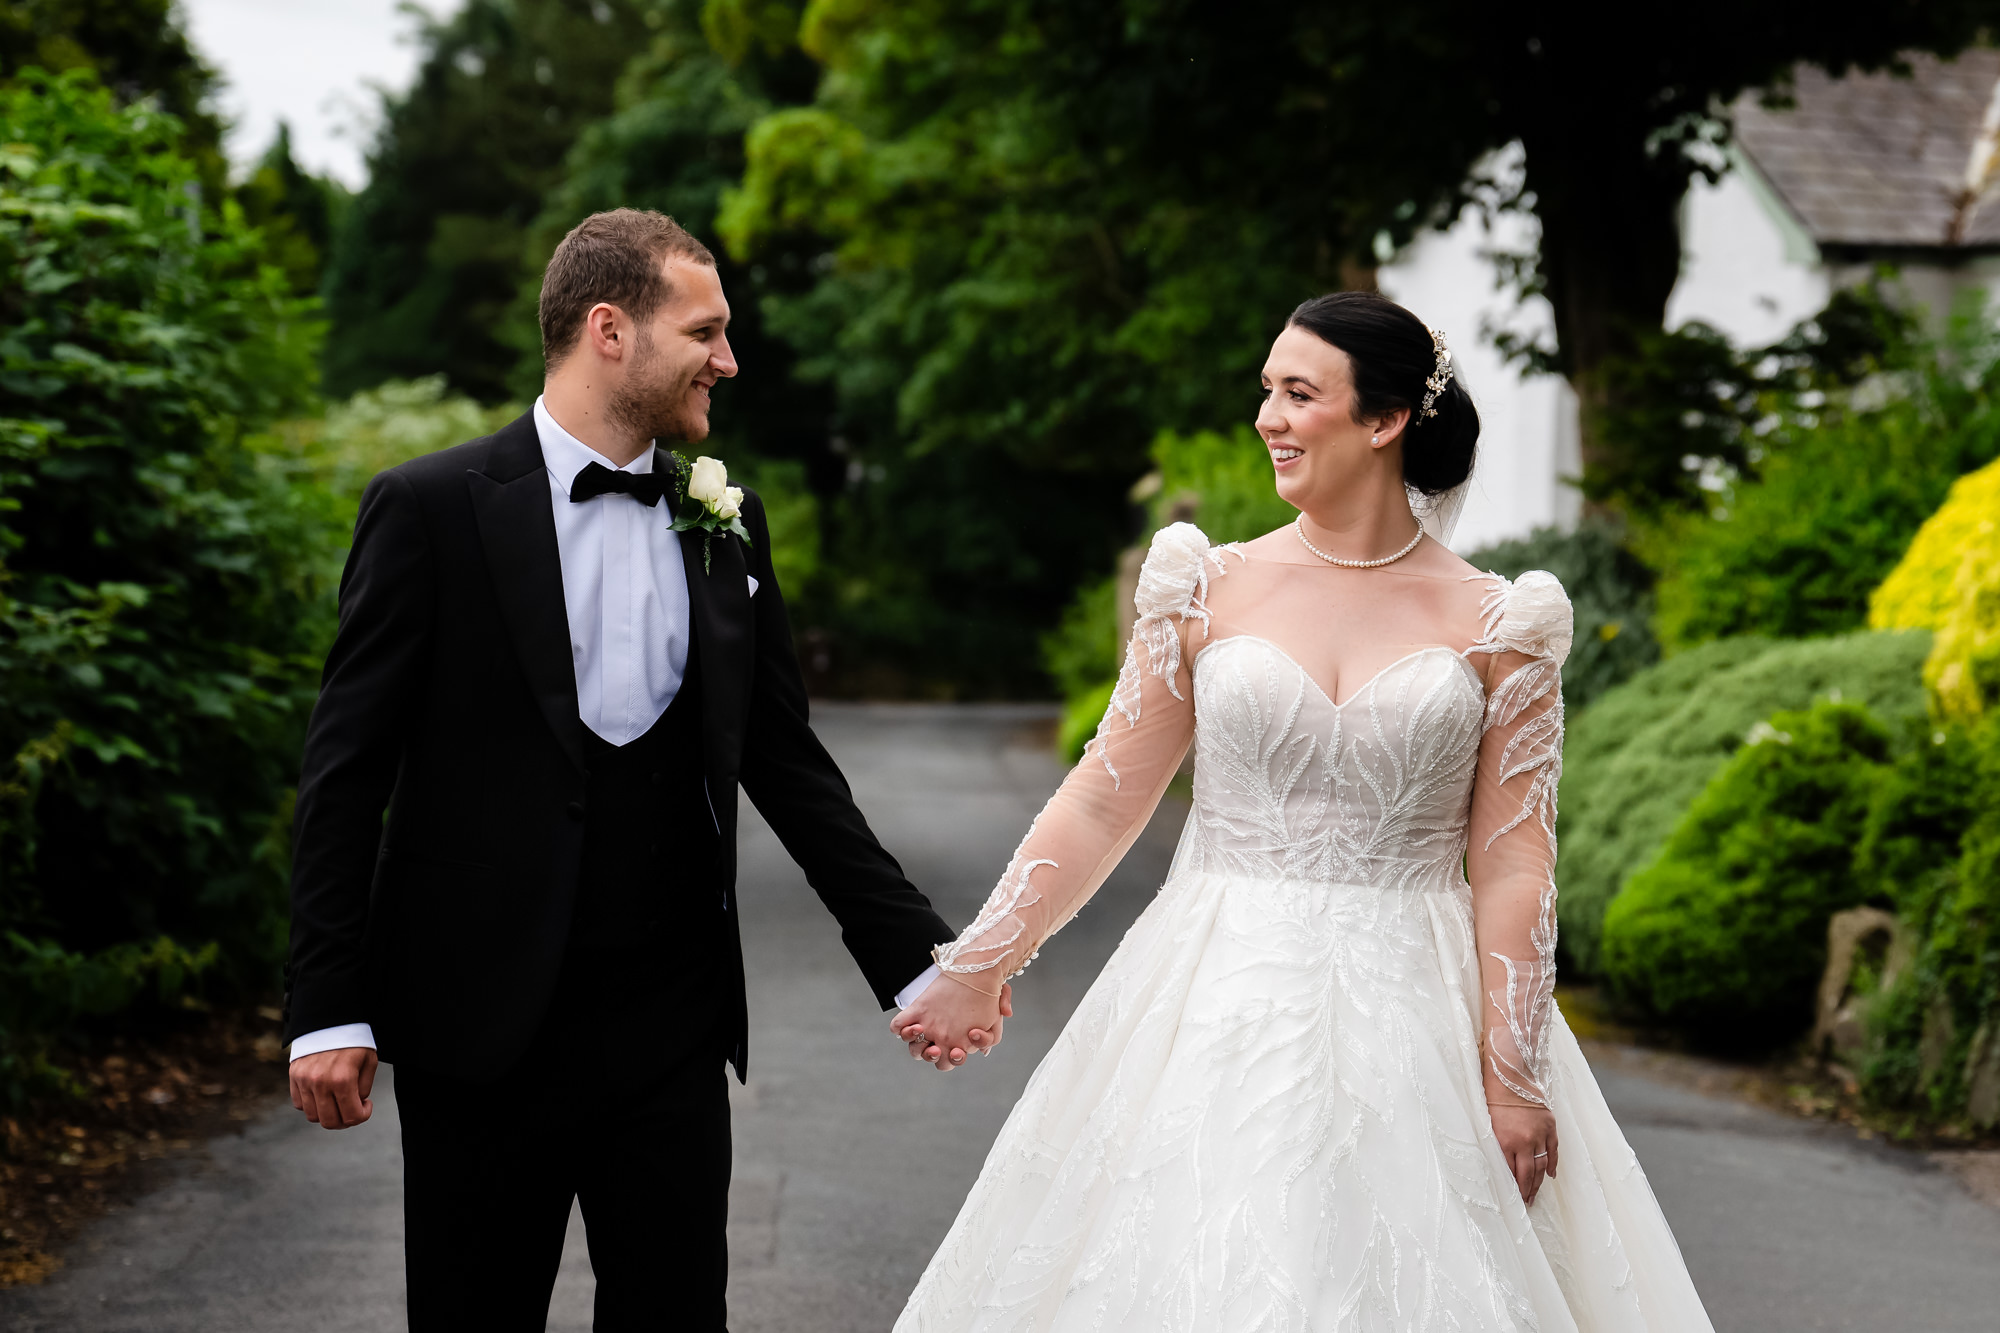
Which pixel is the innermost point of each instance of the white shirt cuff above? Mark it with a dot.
(334, 1039)
(908, 995)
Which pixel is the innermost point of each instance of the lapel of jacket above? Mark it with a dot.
(719, 602)
(517, 528)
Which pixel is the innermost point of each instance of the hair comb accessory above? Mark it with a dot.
(1440, 375)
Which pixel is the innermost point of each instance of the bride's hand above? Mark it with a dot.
(950, 1020)
(1527, 1136)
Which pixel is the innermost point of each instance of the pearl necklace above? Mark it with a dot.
(1299, 524)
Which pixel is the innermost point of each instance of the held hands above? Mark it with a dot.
(332, 1087)
(950, 1020)
(1527, 1136)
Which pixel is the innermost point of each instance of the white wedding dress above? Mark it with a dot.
(1270, 1111)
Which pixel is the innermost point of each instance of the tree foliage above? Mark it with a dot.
(162, 601)
(1688, 409)
(1841, 486)
(136, 49)
(1053, 230)
(427, 261)
(296, 212)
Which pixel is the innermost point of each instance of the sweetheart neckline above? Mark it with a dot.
(1319, 689)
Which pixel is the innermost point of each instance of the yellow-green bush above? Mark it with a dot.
(1949, 582)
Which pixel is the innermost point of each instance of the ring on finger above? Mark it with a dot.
(1543, 1153)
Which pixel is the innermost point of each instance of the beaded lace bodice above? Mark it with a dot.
(1437, 774)
(1290, 785)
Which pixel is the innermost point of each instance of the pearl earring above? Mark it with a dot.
(1374, 439)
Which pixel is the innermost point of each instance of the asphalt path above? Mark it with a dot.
(850, 1158)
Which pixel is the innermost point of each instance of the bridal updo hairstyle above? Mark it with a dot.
(1391, 354)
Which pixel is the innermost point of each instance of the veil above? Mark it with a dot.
(1438, 514)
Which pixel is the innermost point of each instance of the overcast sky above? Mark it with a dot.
(313, 63)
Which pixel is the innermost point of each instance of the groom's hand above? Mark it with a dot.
(332, 1087)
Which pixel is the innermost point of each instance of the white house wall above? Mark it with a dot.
(1528, 435)
(1747, 269)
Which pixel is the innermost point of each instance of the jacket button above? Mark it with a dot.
(659, 779)
(576, 809)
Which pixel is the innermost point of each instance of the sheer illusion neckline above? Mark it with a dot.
(1359, 690)
(1398, 570)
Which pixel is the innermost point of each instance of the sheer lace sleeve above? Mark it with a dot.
(1511, 856)
(1105, 802)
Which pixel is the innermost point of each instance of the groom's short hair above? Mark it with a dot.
(616, 258)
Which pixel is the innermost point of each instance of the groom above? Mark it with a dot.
(554, 697)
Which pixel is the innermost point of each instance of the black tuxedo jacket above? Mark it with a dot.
(449, 699)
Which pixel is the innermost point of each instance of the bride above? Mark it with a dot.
(1323, 1083)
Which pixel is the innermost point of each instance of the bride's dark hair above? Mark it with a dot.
(1391, 352)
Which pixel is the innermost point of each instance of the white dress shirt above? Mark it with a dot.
(626, 595)
(625, 590)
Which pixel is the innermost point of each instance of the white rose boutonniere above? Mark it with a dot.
(707, 480)
(707, 501)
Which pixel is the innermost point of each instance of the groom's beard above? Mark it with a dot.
(654, 402)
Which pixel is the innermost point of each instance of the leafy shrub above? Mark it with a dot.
(1611, 591)
(1797, 550)
(1229, 478)
(1636, 758)
(1222, 482)
(1685, 407)
(1949, 581)
(1724, 933)
(1919, 814)
(1082, 655)
(378, 428)
(163, 605)
(1081, 715)
(47, 989)
(1934, 835)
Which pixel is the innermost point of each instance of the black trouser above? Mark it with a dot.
(490, 1169)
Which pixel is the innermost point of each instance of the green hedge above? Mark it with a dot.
(1933, 842)
(164, 599)
(1635, 760)
(1723, 934)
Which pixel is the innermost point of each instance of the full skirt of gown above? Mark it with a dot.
(1267, 1114)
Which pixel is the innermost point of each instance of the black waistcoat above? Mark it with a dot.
(643, 981)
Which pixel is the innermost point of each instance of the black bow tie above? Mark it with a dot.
(597, 479)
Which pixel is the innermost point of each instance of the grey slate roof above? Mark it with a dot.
(1873, 160)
